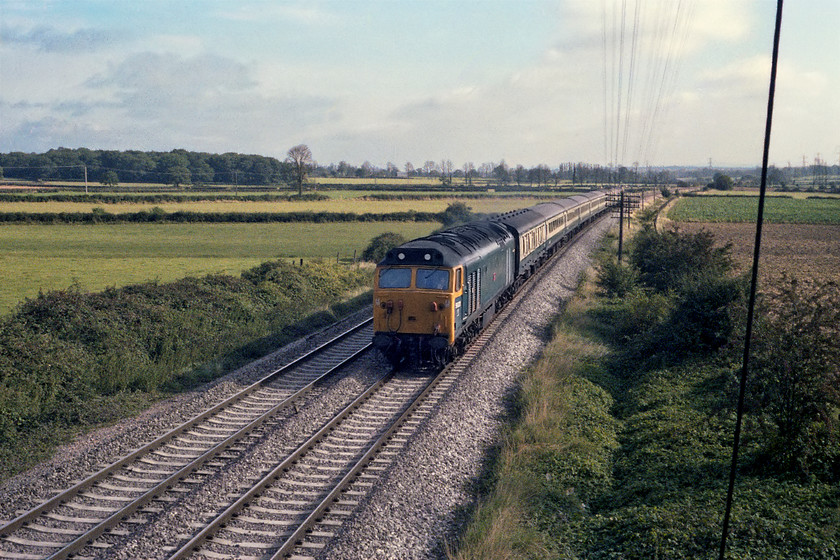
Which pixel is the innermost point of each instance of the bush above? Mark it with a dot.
(615, 279)
(456, 213)
(669, 259)
(380, 245)
(794, 383)
(65, 349)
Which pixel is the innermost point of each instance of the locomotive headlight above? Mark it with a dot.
(427, 256)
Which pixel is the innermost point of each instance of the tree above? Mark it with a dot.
(501, 173)
(469, 170)
(722, 182)
(179, 175)
(300, 157)
(110, 179)
(446, 168)
(380, 245)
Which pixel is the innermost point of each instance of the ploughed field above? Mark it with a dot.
(808, 250)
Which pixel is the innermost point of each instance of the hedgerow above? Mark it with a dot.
(636, 465)
(146, 198)
(158, 215)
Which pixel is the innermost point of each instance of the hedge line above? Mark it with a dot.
(101, 198)
(159, 215)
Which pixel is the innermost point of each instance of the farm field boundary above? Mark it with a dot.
(160, 216)
(18, 210)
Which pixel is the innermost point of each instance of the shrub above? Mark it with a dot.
(669, 259)
(456, 213)
(615, 279)
(66, 349)
(794, 380)
(380, 245)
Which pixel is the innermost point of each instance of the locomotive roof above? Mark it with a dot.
(451, 247)
(523, 219)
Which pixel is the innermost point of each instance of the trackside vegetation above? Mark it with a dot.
(71, 360)
(620, 440)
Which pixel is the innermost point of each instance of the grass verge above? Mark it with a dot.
(609, 458)
(71, 361)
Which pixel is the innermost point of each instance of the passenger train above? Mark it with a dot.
(434, 294)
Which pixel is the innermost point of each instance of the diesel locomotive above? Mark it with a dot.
(434, 294)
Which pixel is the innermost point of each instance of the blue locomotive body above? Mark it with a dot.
(434, 294)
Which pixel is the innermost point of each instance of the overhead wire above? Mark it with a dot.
(642, 54)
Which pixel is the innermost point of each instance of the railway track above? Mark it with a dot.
(294, 509)
(152, 476)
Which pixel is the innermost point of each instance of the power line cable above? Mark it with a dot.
(736, 443)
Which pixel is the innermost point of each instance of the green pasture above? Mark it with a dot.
(745, 209)
(755, 192)
(334, 204)
(50, 257)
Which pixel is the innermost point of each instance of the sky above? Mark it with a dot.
(610, 82)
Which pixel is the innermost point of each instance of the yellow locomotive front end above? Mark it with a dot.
(414, 311)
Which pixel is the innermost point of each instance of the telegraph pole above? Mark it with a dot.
(623, 204)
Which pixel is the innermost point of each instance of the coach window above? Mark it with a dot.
(394, 277)
(432, 279)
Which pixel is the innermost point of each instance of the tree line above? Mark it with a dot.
(177, 167)
(181, 168)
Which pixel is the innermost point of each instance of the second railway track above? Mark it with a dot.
(152, 476)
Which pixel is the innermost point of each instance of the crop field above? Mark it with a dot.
(337, 204)
(745, 209)
(755, 192)
(50, 257)
(805, 251)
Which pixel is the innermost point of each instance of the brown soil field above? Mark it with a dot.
(807, 252)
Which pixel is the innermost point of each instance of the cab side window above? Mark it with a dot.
(458, 280)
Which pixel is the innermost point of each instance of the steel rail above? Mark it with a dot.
(88, 536)
(194, 544)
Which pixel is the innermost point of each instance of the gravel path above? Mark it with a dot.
(403, 519)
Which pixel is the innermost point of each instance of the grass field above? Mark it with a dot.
(48, 257)
(337, 204)
(745, 209)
